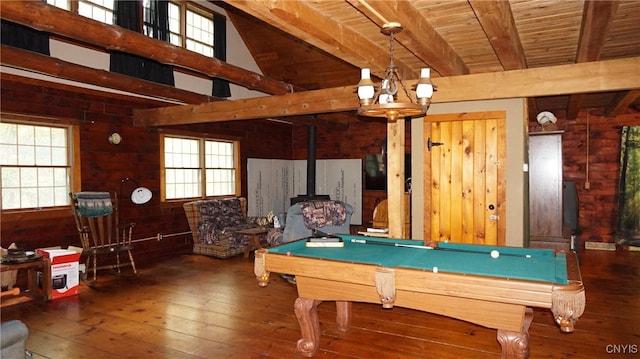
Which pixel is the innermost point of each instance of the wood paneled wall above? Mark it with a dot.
(598, 204)
(104, 165)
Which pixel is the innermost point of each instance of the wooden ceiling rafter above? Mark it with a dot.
(574, 104)
(313, 27)
(597, 18)
(276, 106)
(418, 36)
(610, 75)
(46, 65)
(622, 101)
(497, 21)
(8, 80)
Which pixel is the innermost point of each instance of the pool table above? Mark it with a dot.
(456, 280)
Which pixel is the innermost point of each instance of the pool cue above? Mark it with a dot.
(393, 244)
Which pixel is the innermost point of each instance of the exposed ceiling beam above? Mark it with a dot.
(34, 62)
(43, 17)
(309, 25)
(622, 101)
(597, 17)
(8, 80)
(419, 37)
(295, 104)
(573, 106)
(497, 21)
(611, 75)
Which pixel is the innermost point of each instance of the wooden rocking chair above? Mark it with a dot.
(97, 220)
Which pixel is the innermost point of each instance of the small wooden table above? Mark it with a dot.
(33, 267)
(254, 234)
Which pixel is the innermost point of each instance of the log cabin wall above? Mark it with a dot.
(598, 204)
(137, 157)
(104, 165)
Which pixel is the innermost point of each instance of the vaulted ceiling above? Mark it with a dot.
(321, 44)
(563, 55)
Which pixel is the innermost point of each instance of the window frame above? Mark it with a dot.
(75, 180)
(202, 11)
(201, 138)
(75, 5)
(205, 14)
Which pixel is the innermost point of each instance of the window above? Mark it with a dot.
(36, 165)
(151, 21)
(63, 4)
(199, 34)
(150, 26)
(191, 29)
(99, 10)
(175, 36)
(196, 167)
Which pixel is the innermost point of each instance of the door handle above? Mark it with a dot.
(432, 144)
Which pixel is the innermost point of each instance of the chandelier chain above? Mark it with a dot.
(391, 64)
(392, 75)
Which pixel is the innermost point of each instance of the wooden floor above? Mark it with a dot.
(199, 307)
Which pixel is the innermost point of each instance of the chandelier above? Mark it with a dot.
(383, 101)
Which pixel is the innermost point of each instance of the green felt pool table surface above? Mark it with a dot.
(514, 263)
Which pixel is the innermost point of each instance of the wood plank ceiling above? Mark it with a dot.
(556, 52)
(321, 44)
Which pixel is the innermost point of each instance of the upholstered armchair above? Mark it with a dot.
(327, 216)
(215, 224)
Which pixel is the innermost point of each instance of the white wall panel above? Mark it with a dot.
(272, 183)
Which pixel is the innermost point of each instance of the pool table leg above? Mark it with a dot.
(516, 345)
(343, 315)
(306, 310)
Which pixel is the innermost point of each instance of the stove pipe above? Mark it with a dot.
(311, 170)
(311, 161)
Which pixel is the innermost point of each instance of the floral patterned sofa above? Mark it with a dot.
(214, 223)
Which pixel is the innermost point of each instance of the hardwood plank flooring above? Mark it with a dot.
(194, 306)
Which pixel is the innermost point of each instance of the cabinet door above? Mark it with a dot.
(545, 190)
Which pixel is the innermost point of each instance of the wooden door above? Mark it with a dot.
(465, 178)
